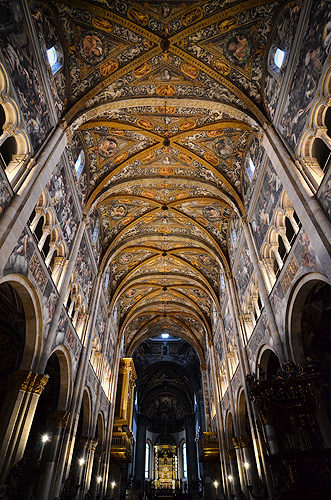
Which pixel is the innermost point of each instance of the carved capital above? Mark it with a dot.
(29, 382)
(60, 418)
(9, 129)
(240, 442)
(93, 444)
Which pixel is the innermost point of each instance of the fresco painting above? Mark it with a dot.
(282, 39)
(325, 194)
(268, 199)
(315, 47)
(21, 256)
(255, 152)
(84, 269)
(63, 203)
(5, 196)
(244, 271)
(19, 58)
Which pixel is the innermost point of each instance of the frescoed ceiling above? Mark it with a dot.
(165, 98)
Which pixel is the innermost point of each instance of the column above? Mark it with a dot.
(191, 454)
(17, 415)
(262, 468)
(242, 445)
(57, 422)
(26, 197)
(64, 461)
(89, 466)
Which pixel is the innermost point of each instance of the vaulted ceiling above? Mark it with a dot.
(166, 99)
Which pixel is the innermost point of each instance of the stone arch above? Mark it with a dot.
(66, 376)
(294, 313)
(33, 319)
(86, 407)
(267, 362)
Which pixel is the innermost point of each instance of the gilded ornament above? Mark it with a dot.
(190, 70)
(101, 23)
(166, 171)
(169, 109)
(228, 24)
(221, 66)
(185, 158)
(138, 16)
(192, 16)
(188, 125)
(108, 67)
(142, 70)
(146, 124)
(120, 158)
(166, 90)
(148, 157)
(211, 158)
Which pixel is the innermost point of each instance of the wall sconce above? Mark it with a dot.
(99, 479)
(81, 461)
(230, 478)
(216, 483)
(113, 484)
(45, 438)
(246, 465)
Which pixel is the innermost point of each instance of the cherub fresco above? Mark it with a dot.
(238, 48)
(224, 147)
(107, 147)
(20, 258)
(92, 48)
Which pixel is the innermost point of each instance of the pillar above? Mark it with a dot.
(17, 415)
(57, 422)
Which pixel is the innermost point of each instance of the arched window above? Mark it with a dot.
(279, 57)
(107, 279)
(250, 167)
(222, 281)
(95, 233)
(79, 163)
(233, 236)
(147, 454)
(184, 461)
(55, 57)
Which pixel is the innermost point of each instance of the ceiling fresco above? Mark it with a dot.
(165, 100)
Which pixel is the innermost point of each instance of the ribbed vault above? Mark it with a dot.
(165, 99)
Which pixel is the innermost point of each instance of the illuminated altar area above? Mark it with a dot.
(165, 467)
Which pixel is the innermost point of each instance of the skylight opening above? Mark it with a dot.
(52, 57)
(250, 167)
(55, 57)
(79, 163)
(279, 58)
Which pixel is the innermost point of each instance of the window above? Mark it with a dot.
(79, 163)
(147, 460)
(279, 57)
(222, 281)
(250, 167)
(95, 233)
(233, 236)
(184, 461)
(55, 57)
(107, 279)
